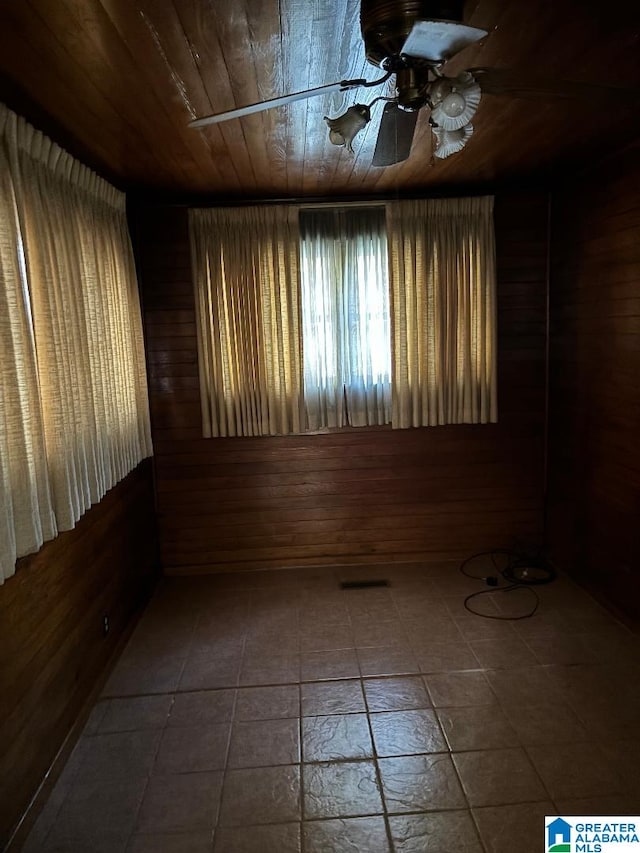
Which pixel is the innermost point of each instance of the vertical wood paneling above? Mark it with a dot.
(52, 646)
(354, 496)
(594, 495)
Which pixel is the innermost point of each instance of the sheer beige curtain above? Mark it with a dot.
(443, 292)
(73, 374)
(245, 269)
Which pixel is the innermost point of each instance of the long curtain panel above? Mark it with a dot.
(443, 290)
(245, 270)
(346, 331)
(73, 379)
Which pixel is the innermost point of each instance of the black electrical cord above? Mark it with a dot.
(520, 572)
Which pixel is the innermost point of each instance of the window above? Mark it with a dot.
(346, 335)
(360, 315)
(74, 416)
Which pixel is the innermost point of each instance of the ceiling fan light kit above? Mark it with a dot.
(343, 128)
(454, 101)
(451, 141)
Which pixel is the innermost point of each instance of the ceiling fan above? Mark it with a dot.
(411, 40)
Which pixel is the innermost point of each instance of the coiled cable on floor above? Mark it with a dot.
(521, 571)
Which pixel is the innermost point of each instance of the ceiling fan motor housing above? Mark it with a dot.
(385, 24)
(410, 87)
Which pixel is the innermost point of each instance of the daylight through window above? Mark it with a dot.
(346, 336)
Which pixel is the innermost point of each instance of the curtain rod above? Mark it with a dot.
(310, 205)
(147, 197)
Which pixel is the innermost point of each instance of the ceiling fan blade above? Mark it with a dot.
(395, 135)
(341, 86)
(439, 40)
(519, 84)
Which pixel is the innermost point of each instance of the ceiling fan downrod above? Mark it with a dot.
(386, 24)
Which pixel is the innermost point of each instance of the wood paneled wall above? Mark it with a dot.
(352, 496)
(594, 425)
(52, 646)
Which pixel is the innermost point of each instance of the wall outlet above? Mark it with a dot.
(105, 624)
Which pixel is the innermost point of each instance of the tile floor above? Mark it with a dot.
(275, 712)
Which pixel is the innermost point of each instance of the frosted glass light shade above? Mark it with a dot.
(451, 141)
(454, 105)
(455, 100)
(343, 129)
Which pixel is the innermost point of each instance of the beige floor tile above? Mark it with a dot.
(35, 843)
(214, 632)
(264, 743)
(341, 789)
(509, 828)
(613, 643)
(427, 628)
(219, 643)
(259, 643)
(606, 717)
(546, 724)
(179, 842)
(498, 654)
(202, 708)
(478, 727)
(438, 832)
(336, 737)
(261, 795)
(368, 634)
(445, 657)
(417, 783)
(407, 732)
(322, 666)
(322, 638)
(134, 713)
(277, 838)
(457, 689)
(323, 610)
(562, 649)
(554, 698)
(96, 812)
(420, 608)
(96, 715)
(375, 605)
(476, 628)
(332, 697)
(524, 686)
(575, 770)
(152, 640)
(159, 676)
(498, 777)
(189, 749)
(180, 803)
(400, 693)
(387, 660)
(118, 755)
(346, 834)
(208, 671)
(610, 804)
(268, 703)
(270, 669)
(105, 842)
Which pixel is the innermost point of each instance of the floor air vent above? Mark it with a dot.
(362, 584)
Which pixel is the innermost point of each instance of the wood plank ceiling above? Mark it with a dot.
(121, 79)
